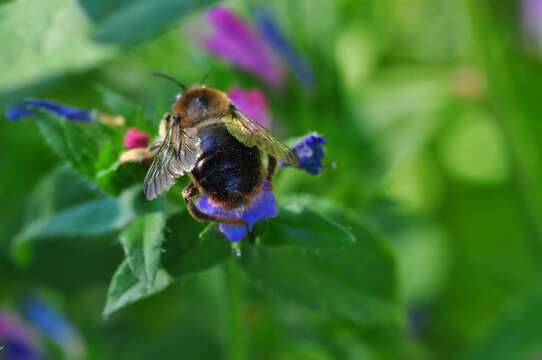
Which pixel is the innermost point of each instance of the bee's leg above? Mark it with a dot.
(191, 191)
(271, 166)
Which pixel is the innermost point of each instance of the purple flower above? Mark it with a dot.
(28, 106)
(252, 103)
(135, 138)
(16, 339)
(270, 31)
(532, 18)
(237, 43)
(310, 152)
(262, 207)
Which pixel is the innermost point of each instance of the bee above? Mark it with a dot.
(227, 155)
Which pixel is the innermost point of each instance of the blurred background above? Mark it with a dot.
(431, 110)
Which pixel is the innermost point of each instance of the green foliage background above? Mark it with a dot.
(427, 234)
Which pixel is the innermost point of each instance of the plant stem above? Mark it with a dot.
(233, 311)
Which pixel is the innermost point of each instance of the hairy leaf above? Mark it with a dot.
(142, 242)
(125, 288)
(356, 282)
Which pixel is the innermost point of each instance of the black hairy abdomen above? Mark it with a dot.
(227, 170)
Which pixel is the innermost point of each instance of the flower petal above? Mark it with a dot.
(28, 106)
(532, 19)
(262, 207)
(310, 153)
(53, 325)
(135, 138)
(16, 339)
(252, 103)
(271, 32)
(237, 43)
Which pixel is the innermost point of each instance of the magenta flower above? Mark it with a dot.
(135, 138)
(262, 207)
(237, 43)
(252, 103)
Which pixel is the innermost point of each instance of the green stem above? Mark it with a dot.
(513, 119)
(233, 311)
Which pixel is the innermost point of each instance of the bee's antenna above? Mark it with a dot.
(204, 78)
(168, 77)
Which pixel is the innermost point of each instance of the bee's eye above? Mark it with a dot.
(178, 96)
(201, 102)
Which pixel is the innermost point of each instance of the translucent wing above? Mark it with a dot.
(177, 155)
(251, 134)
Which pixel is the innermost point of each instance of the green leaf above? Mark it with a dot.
(198, 255)
(118, 104)
(89, 218)
(304, 226)
(356, 282)
(59, 189)
(123, 25)
(142, 242)
(113, 176)
(125, 288)
(77, 143)
(516, 333)
(54, 42)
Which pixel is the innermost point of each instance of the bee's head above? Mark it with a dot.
(196, 103)
(199, 103)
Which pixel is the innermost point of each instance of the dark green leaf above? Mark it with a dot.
(61, 188)
(304, 226)
(113, 176)
(142, 242)
(77, 143)
(357, 282)
(123, 25)
(516, 333)
(211, 249)
(118, 104)
(90, 218)
(125, 288)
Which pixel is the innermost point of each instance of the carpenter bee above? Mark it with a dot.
(227, 155)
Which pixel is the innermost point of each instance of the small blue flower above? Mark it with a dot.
(310, 152)
(53, 325)
(16, 350)
(262, 207)
(271, 32)
(16, 339)
(28, 106)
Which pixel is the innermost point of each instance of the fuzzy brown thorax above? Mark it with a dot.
(199, 103)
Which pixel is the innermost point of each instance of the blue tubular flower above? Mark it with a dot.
(28, 106)
(262, 207)
(310, 152)
(16, 339)
(54, 326)
(270, 31)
